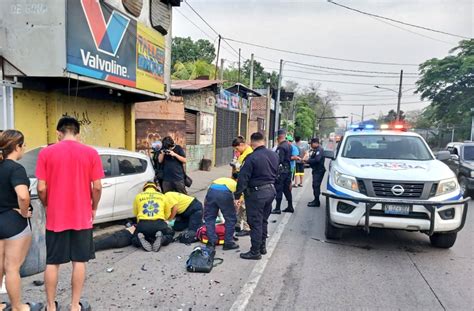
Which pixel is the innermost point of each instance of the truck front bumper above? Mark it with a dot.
(424, 216)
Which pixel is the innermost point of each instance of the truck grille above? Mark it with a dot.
(384, 189)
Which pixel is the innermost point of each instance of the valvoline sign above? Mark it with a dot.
(102, 44)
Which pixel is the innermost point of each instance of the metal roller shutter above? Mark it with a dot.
(191, 122)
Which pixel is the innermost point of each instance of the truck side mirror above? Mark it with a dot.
(455, 157)
(443, 155)
(329, 154)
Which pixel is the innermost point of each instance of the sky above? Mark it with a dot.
(320, 28)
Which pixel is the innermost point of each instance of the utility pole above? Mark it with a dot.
(269, 107)
(218, 52)
(251, 71)
(277, 104)
(239, 67)
(362, 115)
(472, 124)
(221, 74)
(399, 95)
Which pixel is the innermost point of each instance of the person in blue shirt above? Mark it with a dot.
(295, 155)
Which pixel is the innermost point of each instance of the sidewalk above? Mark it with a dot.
(202, 179)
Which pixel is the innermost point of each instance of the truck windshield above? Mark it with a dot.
(393, 147)
(469, 153)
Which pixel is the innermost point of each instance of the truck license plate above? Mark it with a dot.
(396, 209)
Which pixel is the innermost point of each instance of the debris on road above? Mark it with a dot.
(38, 283)
(110, 270)
(143, 268)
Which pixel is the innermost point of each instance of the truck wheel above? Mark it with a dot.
(331, 232)
(443, 240)
(463, 185)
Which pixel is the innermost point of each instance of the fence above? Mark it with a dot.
(438, 138)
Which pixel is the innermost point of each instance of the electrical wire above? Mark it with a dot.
(320, 56)
(397, 21)
(379, 104)
(344, 82)
(290, 63)
(332, 73)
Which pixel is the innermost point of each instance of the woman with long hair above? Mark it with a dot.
(15, 232)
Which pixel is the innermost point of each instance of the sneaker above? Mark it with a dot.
(314, 204)
(289, 210)
(276, 211)
(145, 244)
(300, 185)
(230, 246)
(243, 233)
(157, 244)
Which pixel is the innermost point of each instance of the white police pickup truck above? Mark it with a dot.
(391, 179)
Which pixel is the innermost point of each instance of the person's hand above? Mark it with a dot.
(237, 204)
(28, 214)
(172, 153)
(94, 212)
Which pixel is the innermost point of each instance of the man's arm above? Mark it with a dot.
(96, 194)
(316, 158)
(179, 154)
(161, 157)
(174, 211)
(244, 178)
(42, 192)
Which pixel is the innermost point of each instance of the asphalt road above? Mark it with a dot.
(385, 270)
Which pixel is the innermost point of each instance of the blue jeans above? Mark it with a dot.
(222, 200)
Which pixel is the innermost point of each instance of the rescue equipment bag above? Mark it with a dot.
(201, 234)
(201, 259)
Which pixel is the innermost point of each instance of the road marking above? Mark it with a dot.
(249, 287)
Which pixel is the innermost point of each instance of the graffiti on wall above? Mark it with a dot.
(83, 117)
(149, 131)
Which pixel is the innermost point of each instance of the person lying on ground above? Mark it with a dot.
(187, 213)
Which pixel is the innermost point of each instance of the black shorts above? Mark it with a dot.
(299, 168)
(11, 224)
(69, 245)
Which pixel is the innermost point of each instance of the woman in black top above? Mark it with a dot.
(15, 233)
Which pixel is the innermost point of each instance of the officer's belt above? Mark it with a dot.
(262, 187)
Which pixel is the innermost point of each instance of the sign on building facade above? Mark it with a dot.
(106, 44)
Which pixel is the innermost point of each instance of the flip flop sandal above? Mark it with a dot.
(8, 306)
(35, 306)
(58, 307)
(85, 306)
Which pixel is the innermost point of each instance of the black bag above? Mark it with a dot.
(201, 259)
(187, 180)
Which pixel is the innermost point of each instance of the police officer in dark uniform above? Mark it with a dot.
(256, 180)
(283, 183)
(316, 162)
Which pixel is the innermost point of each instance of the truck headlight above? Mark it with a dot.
(346, 181)
(447, 186)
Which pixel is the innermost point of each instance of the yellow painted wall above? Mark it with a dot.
(30, 116)
(103, 123)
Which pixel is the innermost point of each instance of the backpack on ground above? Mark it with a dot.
(201, 259)
(201, 234)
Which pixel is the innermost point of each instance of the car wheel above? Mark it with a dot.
(443, 240)
(331, 232)
(463, 185)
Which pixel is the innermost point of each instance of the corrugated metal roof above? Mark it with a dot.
(193, 85)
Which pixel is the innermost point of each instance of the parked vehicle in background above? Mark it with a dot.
(391, 179)
(462, 164)
(125, 174)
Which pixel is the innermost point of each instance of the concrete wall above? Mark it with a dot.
(199, 101)
(103, 123)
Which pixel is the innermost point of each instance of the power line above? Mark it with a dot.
(319, 56)
(204, 32)
(349, 70)
(332, 73)
(414, 32)
(343, 82)
(375, 105)
(397, 21)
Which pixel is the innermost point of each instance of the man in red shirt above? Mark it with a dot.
(69, 185)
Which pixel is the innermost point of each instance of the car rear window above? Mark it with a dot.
(131, 165)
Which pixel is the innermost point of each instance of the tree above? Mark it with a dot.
(391, 117)
(193, 70)
(231, 75)
(186, 50)
(449, 84)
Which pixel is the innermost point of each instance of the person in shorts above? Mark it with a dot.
(15, 232)
(303, 150)
(69, 186)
